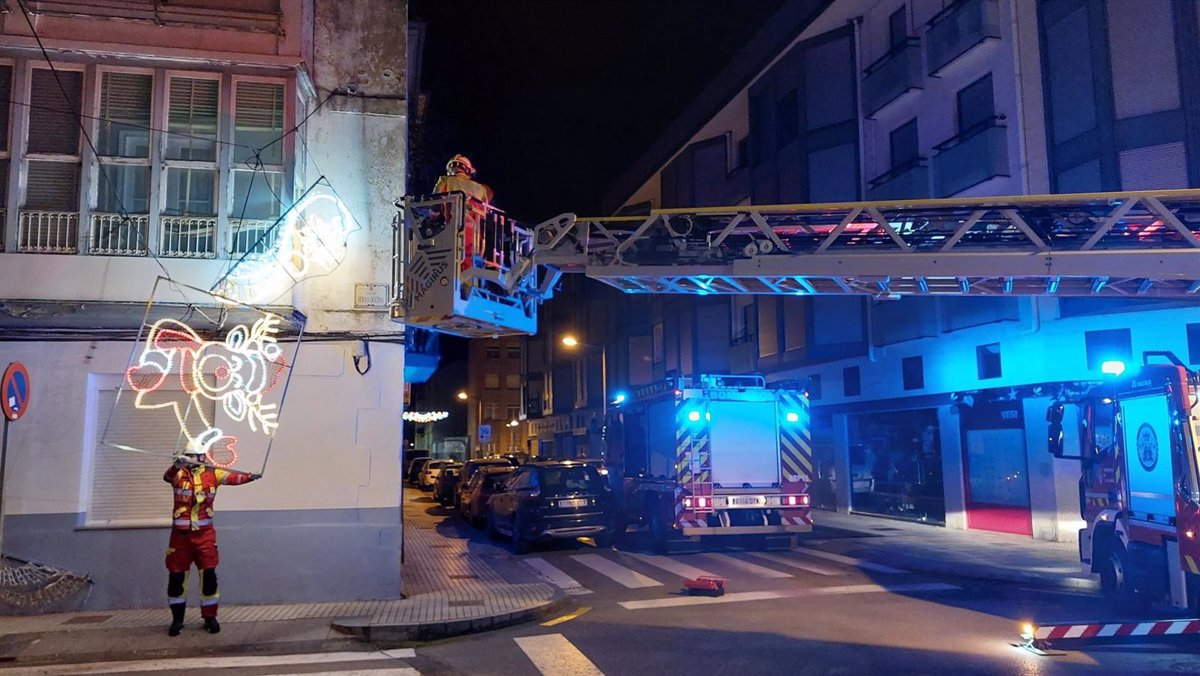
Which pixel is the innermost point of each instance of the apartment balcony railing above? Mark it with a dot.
(54, 232)
(188, 237)
(251, 15)
(117, 235)
(970, 158)
(907, 181)
(892, 75)
(252, 238)
(959, 28)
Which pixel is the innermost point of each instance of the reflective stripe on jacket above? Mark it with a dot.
(196, 491)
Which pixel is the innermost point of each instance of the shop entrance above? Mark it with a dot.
(995, 468)
(896, 465)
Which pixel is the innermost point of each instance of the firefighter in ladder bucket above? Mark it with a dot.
(460, 177)
(193, 537)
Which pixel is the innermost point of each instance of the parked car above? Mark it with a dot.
(414, 460)
(447, 482)
(469, 469)
(554, 500)
(430, 472)
(484, 483)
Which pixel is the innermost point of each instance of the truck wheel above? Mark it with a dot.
(658, 528)
(604, 539)
(1114, 572)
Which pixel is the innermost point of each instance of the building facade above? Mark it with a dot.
(496, 419)
(145, 140)
(927, 408)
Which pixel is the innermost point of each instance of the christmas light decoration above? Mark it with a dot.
(420, 417)
(235, 372)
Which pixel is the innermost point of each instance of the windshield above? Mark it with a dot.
(571, 480)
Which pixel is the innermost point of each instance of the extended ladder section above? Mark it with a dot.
(1107, 244)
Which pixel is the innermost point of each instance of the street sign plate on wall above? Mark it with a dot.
(485, 434)
(371, 297)
(14, 391)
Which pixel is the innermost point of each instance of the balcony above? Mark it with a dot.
(117, 235)
(254, 239)
(188, 237)
(893, 75)
(907, 181)
(958, 29)
(970, 158)
(52, 232)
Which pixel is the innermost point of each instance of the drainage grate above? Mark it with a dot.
(88, 619)
(463, 604)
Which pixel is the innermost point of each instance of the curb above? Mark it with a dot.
(363, 629)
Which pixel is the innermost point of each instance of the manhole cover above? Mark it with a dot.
(464, 577)
(461, 604)
(88, 619)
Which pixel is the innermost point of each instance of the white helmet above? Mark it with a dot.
(462, 163)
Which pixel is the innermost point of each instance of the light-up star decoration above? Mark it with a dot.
(312, 241)
(235, 373)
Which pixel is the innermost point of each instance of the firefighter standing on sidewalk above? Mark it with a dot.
(193, 538)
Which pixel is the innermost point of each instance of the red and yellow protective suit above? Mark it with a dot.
(193, 538)
(462, 183)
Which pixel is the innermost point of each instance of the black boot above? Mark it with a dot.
(211, 625)
(177, 610)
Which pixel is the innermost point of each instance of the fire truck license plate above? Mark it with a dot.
(746, 501)
(573, 502)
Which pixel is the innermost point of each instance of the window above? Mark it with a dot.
(491, 352)
(913, 369)
(975, 104)
(491, 411)
(813, 387)
(1193, 341)
(514, 351)
(6, 93)
(768, 326)
(787, 119)
(123, 143)
(1110, 345)
(851, 381)
(904, 145)
(897, 28)
(512, 381)
(53, 180)
(987, 361)
(742, 159)
(513, 411)
(257, 128)
(491, 380)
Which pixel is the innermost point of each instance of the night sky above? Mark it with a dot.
(553, 99)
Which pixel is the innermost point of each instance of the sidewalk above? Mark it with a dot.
(453, 586)
(966, 553)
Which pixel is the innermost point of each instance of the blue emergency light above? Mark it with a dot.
(792, 417)
(1113, 368)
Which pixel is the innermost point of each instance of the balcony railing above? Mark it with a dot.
(117, 235)
(970, 158)
(895, 73)
(188, 237)
(958, 28)
(55, 232)
(907, 181)
(253, 239)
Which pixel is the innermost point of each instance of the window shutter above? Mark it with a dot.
(53, 186)
(193, 111)
(126, 486)
(125, 114)
(55, 127)
(6, 93)
(258, 121)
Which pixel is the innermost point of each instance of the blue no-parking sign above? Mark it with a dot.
(14, 391)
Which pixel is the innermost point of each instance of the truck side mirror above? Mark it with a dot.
(1054, 430)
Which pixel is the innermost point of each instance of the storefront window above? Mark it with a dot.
(896, 465)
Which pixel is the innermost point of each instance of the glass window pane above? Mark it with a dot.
(192, 120)
(904, 144)
(54, 129)
(258, 122)
(125, 115)
(190, 192)
(53, 186)
(123, 188)
(897, 28)
(975, 104)
(3, 184)
(256, 194)
(6, 95)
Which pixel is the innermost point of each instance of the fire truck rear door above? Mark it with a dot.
(1147, 443)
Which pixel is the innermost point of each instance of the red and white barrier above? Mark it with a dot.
(1062, 632)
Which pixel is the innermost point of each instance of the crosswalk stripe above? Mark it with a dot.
(398, 671)
(801, 565)
(785, 594)
(554, 654)
(850, 561)
(556, 577)
(183, 663)
(752, 568)
(670, 565)
(616, 572)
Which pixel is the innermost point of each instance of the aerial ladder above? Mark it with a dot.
(1114, 244)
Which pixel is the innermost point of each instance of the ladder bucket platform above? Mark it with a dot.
(1040, 639)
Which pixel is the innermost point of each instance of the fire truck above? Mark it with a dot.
(713, 455)
(1139, 492)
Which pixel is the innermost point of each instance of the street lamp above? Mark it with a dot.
(573, 342)
(462, 395)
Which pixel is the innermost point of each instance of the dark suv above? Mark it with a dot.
(469, 469)
(554, 500)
